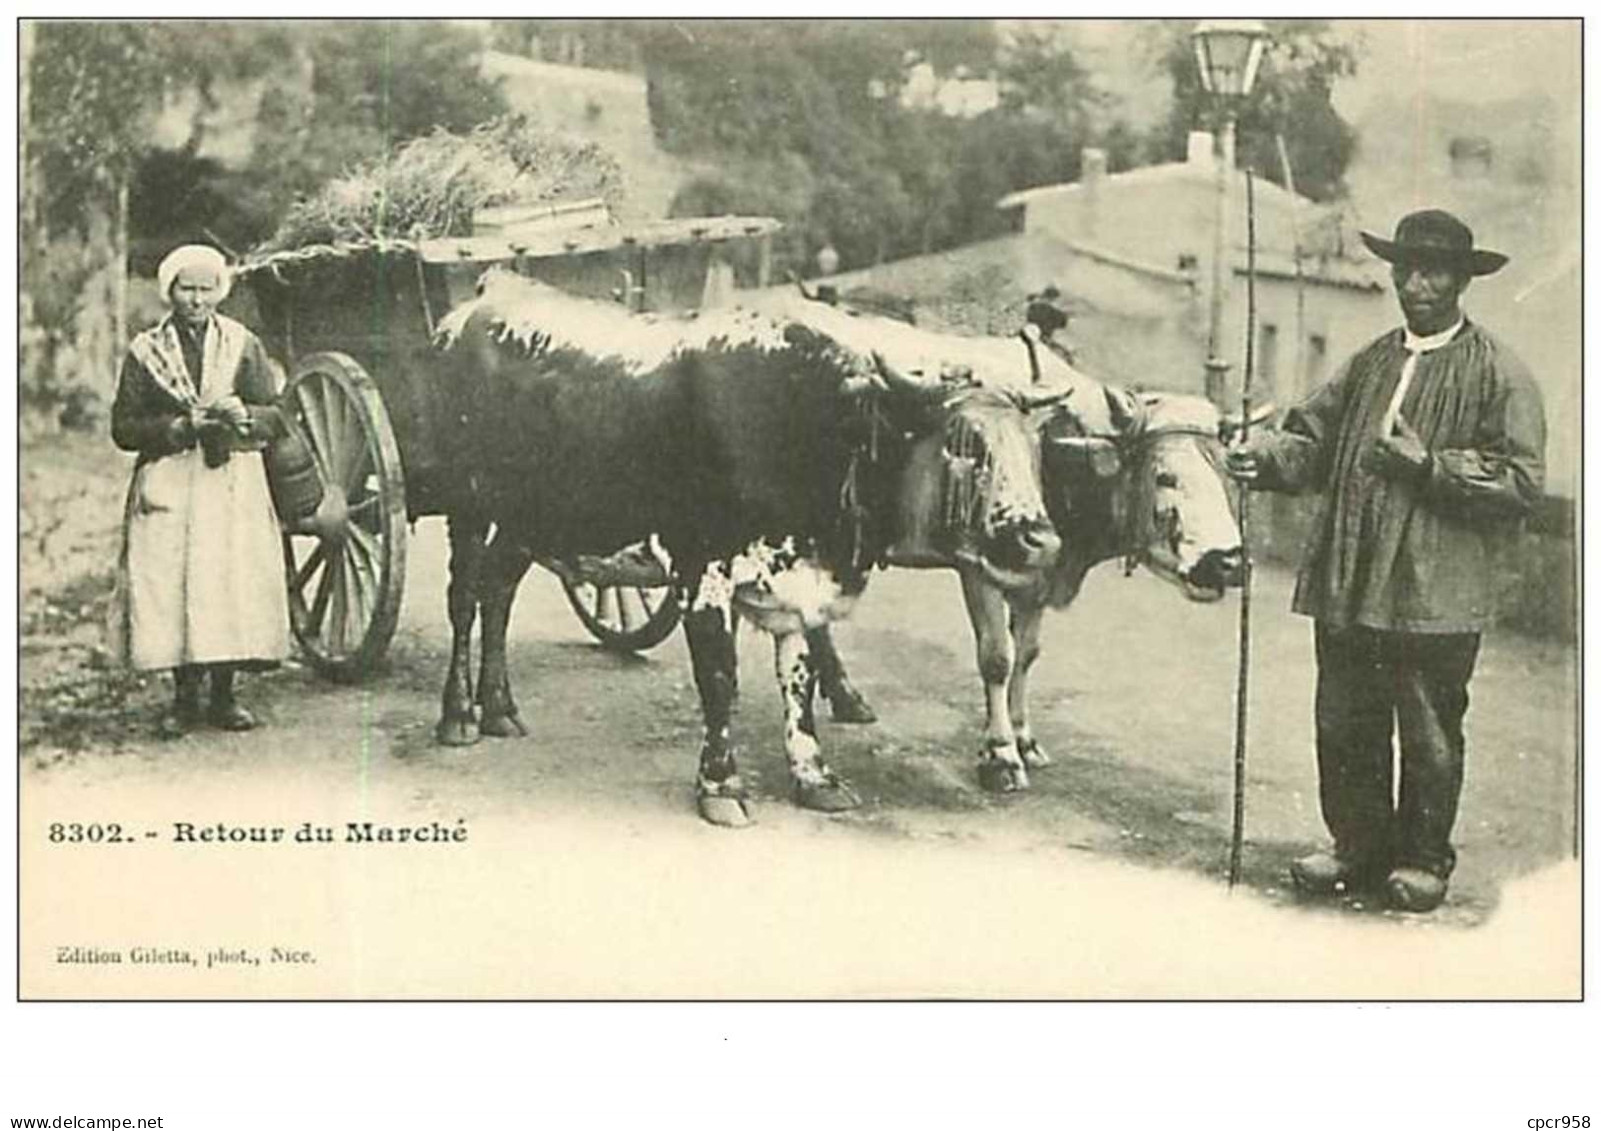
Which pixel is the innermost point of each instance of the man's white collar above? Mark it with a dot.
(1416, 344)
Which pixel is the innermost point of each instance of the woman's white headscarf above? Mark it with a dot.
(197, 256)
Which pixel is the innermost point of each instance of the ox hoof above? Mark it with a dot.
(723, 804)
(503, 726)
(1033, 755)
(850, 707)
(831, 795)
(997, 776)
(456, 732)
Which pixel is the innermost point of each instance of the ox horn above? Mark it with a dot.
(1124, 418)
(800, 285)
(1234, 423)
(897, 381)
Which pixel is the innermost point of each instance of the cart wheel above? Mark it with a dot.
(347, 569)
(624, 618)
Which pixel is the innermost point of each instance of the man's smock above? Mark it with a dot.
(1418, 554)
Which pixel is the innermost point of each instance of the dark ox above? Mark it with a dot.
(1137, 478)
(764, 456)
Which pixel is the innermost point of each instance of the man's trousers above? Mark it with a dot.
(1371, 684)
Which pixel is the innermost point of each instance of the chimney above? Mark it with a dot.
(1092, 174)
(1199, 153)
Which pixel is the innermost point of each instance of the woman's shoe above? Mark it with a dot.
(231, 716)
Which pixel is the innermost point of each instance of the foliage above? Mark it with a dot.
(178, 197)
(340, 95)
(1041, 77)
(611, 45)
(331, 94)
(805, 121)
(782, 186)
(53, 302)
(1292, 99)
(87, 83)
(90, 90)
(400, 79)
(431, 186)
(93, 87)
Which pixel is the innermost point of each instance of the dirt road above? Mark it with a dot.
(1133, 699)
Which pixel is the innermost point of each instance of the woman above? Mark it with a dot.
(200, 583)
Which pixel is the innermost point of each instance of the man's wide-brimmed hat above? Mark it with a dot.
(1049, 309)
(1435, 237)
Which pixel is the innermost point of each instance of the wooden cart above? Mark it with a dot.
(353, 327)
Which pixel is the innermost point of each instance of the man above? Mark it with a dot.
(1426, 447)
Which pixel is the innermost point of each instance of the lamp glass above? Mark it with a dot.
(1228, 55)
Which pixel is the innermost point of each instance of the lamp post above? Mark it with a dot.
(1228, 53)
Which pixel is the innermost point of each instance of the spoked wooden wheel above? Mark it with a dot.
(347, 564)
(624, 618)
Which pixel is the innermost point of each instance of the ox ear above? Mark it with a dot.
(1232, 424)
(1096, 453)
(1052, 402)
(1124, 409)
(859, 384)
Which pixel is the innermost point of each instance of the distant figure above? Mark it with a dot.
(200, 582)
(1050, 311)
(1044, 320)
(1426, 447)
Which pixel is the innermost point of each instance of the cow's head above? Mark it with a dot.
(976, 463)
(1160, 475)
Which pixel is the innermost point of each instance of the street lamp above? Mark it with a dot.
(1228, 53)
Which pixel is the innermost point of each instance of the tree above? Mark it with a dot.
(611, 45)
(334, 93)
(873, 174)
(1003, 152)
(351, 93)
(1042, 78)
(92, 89)
(1292, 98)
(815, 102)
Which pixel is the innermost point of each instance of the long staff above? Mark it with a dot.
(1243, 681)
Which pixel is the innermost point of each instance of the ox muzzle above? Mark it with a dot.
(1017, 553)
(1206, 578)
(1165, 467)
